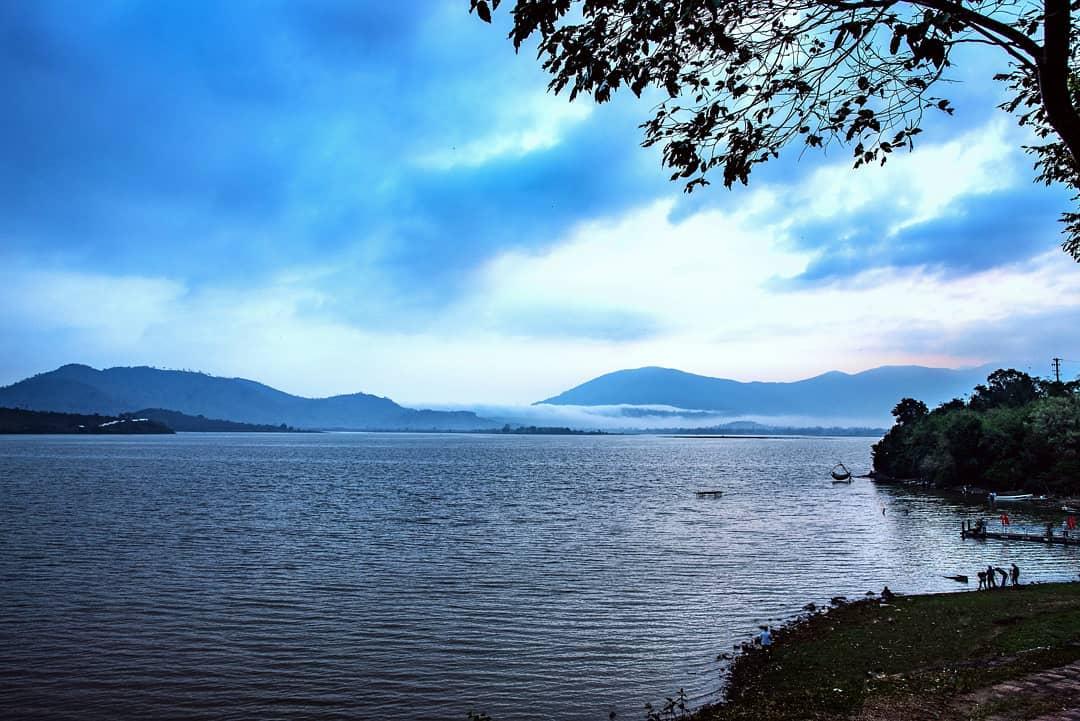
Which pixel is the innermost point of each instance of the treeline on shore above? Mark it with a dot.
(1015, 431)
(150, 420)
(17, 420)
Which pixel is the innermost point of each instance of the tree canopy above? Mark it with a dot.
(745, 78)
(1015, 431)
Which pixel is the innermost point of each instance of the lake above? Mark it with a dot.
(325, 576)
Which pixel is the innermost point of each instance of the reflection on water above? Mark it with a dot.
(355, 576)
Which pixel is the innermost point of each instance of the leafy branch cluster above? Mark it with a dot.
(742, 79)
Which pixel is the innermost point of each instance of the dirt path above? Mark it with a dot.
(1052, 695)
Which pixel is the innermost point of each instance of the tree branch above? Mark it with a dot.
(1053, 73)
(978, 20)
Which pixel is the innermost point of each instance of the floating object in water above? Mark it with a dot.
(711, 494)
(995, 498)
(840, 473)
(961, 578)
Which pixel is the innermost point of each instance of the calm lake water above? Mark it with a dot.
(241, 576)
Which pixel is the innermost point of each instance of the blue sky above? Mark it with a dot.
(338, 196)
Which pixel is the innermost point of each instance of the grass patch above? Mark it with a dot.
(917, 649)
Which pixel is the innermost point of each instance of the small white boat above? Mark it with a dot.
(995, 498)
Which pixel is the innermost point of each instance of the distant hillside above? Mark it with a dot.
(82, 389)
(14, 420)
(867, 395)
(199, 424)
(749, 428)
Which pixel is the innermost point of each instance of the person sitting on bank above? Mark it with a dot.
(766, 637)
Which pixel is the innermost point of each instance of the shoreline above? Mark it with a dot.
(912, 656)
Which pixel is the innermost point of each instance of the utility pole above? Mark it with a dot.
(1057, 369)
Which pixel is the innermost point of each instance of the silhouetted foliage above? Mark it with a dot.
(1016, 431)
(908, 411)
(19, 420)
(1008, 388)
(744, 78)
(674, 708)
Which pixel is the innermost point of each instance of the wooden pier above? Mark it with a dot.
(1050, 536)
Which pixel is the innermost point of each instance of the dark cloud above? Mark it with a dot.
(212, 139)
(975, 233)
(220, 142)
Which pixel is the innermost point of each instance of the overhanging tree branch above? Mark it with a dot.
(746, 78)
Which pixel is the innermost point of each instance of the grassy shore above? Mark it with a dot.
(917, 657)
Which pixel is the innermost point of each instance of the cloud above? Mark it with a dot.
(694, 296)
(338, 196)
(225, 141)
(960, 207)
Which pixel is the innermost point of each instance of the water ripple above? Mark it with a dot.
(360, 576)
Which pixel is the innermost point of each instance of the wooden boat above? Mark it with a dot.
(960, 577)
(840, 474)
(709, 494)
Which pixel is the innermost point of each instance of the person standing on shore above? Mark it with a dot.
(1004, 575)
(991, 581)
(982, 580)
(1014, 573)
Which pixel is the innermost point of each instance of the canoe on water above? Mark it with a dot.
(1005, 499)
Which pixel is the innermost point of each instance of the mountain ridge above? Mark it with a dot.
(867, 394)
(78, 388)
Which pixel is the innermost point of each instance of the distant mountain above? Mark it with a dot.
(15, 420)
(82, 389)
(867, 395)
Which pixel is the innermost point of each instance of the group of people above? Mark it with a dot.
(988, 578)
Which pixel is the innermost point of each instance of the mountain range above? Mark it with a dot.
(868, 395)
(81, 389)
(639, 398)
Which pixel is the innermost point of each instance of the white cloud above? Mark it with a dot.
(117, 310)
(699, 294)
(922, 183)
(518, 127)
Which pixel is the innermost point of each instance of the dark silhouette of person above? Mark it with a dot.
(991, 580)
(1004, 575)
(1014, 573)
(982, 580)
(886, 595)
